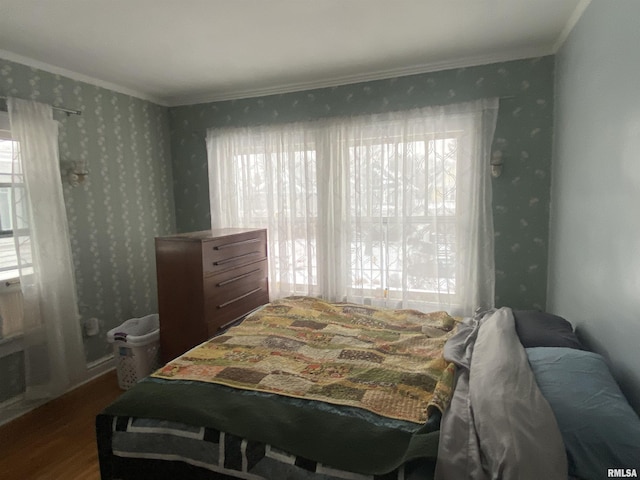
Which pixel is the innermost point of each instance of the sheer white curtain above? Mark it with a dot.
(391, 209)
(53, 348)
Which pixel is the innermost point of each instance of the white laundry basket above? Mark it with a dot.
(136, 349)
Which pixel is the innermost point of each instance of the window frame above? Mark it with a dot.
(9, 284)
(385, 291)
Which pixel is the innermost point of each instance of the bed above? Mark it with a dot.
(304, 389)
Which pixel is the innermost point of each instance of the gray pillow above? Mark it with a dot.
(541, 329)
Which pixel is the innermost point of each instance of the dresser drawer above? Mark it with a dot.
(221, 316)
(232, 251)
(225, 286)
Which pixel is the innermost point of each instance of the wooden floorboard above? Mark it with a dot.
(57, 440)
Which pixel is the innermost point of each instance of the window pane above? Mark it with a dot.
(442, 160)
(403, 203)
(5, 209)
(6, 155)
(7, 222)
(8, 260)
(285, 183)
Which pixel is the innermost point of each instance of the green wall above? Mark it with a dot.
(524, 134)
(126, 201)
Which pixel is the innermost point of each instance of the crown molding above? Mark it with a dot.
(30, 62)
(328, 82)
(571, 23)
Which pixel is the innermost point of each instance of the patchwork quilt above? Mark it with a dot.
(388, 362)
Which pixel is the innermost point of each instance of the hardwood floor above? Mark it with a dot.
(57, 440)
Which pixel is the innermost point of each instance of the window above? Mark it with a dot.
(48, 324)
(386, 209)
(414, 180)
(11, 302)
(10, 219)
(293, 172)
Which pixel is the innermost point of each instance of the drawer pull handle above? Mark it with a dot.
(239, 277)
(222, 305)
(238, 257)
(235, 244)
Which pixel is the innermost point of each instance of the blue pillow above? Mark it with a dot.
(599, 428)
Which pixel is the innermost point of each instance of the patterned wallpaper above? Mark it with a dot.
(523, 133)
(125, 202)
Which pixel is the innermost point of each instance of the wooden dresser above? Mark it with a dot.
(207, 281)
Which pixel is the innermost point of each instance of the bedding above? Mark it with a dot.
(377, 360)
(507, 411)
(599, 428)
(332, 351)
(498, 424)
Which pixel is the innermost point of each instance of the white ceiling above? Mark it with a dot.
(190, 51)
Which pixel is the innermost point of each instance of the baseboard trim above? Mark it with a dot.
(100, 366)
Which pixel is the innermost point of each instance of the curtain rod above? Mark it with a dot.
(68, 111)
